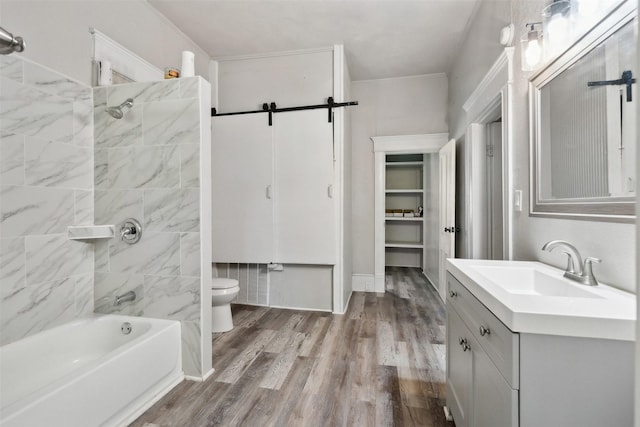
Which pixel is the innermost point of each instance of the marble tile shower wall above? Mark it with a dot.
(46, 184)
(147, 167)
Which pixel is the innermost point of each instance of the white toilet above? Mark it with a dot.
(223, 291)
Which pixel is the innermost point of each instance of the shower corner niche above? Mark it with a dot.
(90, 232)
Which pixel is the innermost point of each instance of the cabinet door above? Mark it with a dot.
(242, 171)
(495, 403)
(459, 370)
(304, 212)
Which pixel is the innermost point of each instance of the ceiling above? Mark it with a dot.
(382, 38)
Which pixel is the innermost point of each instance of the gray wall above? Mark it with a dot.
(614, 243)
(400, 106)
(57, 33)
(148, 167)
(46, 182)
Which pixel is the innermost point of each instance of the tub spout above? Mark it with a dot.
(129, 296)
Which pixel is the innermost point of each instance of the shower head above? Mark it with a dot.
(116, 112)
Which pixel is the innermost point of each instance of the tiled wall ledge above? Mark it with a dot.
(90, 232)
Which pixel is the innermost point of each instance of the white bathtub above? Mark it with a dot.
(88, 373)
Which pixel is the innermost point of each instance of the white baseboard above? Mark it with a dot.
(379, 283)
(346, 306)
(301, 308)
(202, 378)
(363, 282)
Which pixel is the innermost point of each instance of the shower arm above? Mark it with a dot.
(10, 44)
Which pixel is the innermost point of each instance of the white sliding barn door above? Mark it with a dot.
(242, 171)
(304, 212)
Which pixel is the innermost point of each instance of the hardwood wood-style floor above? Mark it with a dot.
(380, 364)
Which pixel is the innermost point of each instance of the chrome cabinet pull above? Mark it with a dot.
(464, 343)
(484, 331)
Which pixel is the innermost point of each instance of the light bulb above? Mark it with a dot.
(558, 29)
(533, 52)
(588, 9)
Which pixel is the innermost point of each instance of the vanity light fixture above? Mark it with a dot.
(531, 47)
(556, 27)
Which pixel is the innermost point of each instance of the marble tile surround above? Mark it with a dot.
(147, 166)
(46, 184)
(64, 161)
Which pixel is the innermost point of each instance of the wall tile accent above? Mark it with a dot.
(28, 111)
(171, 122)
(11, 159)
(11, 67)
(147, 166)
(191, 354)
(143, 92)
(35, 210)
(12, 265)
(144, 167)
(84, 207)
(57, 164)
(189, 176)
(190, 254)
(84, 295)
(54, 256)
(46, 177)
(114, 206)
(172, 210)
(175, 298)
(35, 308)
(155, 253)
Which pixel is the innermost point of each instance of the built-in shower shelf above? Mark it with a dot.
(90, 232)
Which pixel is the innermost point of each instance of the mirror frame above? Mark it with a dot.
(620, 209)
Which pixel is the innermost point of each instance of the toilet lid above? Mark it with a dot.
(222, 283)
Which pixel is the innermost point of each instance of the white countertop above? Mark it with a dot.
(607, 313)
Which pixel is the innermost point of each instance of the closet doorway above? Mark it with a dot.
(406, 204)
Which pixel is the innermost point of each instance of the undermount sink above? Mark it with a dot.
(532, 281)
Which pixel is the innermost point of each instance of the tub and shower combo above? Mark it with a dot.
(100, 371)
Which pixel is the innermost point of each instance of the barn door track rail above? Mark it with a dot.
(272, 108)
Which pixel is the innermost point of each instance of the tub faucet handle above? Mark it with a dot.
(131, 231)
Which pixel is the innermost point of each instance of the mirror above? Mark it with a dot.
(583, 122)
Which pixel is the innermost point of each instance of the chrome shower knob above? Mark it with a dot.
(131, 231)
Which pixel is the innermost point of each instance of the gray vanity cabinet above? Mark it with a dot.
(478, 394)
(500, 378)
(459, 370)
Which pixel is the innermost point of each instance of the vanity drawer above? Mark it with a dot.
(501, 344)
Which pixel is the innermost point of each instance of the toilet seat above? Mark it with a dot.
(223, 283)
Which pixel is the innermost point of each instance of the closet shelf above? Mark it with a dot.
(403, 164)
(416, 245)
(414, 190)
(404, 218)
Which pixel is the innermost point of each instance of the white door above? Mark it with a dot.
(242, 171)
(447, 198)
(304, 212)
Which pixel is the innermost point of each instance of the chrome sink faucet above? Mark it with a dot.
(577, 270)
